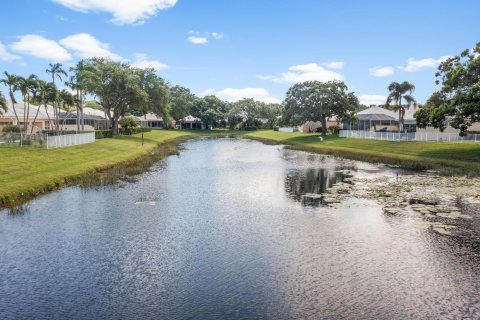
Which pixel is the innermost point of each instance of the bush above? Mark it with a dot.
(250, 128)
(100, 134)
(334, 129)
(11, 128)
(276, 128)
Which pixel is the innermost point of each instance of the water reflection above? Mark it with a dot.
(312, 180)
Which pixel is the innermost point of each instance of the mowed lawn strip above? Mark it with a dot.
(463, 157)
(30, 171)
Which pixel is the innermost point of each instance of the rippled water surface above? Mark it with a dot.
(220, 232)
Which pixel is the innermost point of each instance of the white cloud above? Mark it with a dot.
(334, 65)
(215, 35)
(7, 56)
(124, 12)
(142, 62)
(304, 72)
(40, 47)
(414, 65)
(368, 99)
(85, 45)
(197, 40)
(197, 37)
(381, 71)
(232, 95)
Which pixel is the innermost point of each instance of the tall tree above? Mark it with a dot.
(399, 92)
(458, 101)
(27, 87)
(12, 82)
(318, 101)
(56, 71)
(118, 87)
(181, 102)
(46, 94)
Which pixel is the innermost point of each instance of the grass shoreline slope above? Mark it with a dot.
(26, 173)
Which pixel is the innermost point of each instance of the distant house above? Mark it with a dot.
(379, 119)
(190, 122)
(151, 120)
(315, 126)
(43, 121)
(93, 119)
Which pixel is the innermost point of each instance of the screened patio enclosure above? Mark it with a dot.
(377, 119)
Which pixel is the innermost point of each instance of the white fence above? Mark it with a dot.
(410, 136)
(70, 140)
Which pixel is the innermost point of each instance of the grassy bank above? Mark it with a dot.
(461, 158)
(27, 172)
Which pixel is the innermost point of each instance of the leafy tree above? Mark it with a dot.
(269, 111)
(11, 81)
(399, 91)
(118, 87)
(458, 101)
(247, 110)
(158, 94)
(318, 101)
(128, 123)
(181, 102)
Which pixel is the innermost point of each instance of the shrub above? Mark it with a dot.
(334, 129)
(100, 134)
(276, 128)
(11, 128)
(250, 128)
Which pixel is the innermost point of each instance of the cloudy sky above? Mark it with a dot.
(246, 48)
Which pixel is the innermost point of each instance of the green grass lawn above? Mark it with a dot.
(26, 172)
(458, 157)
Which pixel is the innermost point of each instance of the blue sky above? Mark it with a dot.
(246, 48)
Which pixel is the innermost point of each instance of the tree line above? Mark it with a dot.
(122, 90)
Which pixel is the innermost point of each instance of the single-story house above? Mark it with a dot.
(379, 119)
(35, 116)
(151, 120)
(190, 122)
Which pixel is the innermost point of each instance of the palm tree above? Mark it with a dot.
(399, 91)
(43, 95)
(56, 70)
(3, 104)
(11, 81)
(66, 102)
(27, 86)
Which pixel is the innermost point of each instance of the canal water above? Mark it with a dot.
(220, 231)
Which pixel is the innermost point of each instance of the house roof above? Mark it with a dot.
(376, 113)
(149, 117)
(93, 112)
(21, 110)
(191, 119)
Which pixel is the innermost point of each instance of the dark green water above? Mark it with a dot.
(220, 232)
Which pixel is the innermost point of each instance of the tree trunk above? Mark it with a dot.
(36, 115)
(114, 125)
(324, 125)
